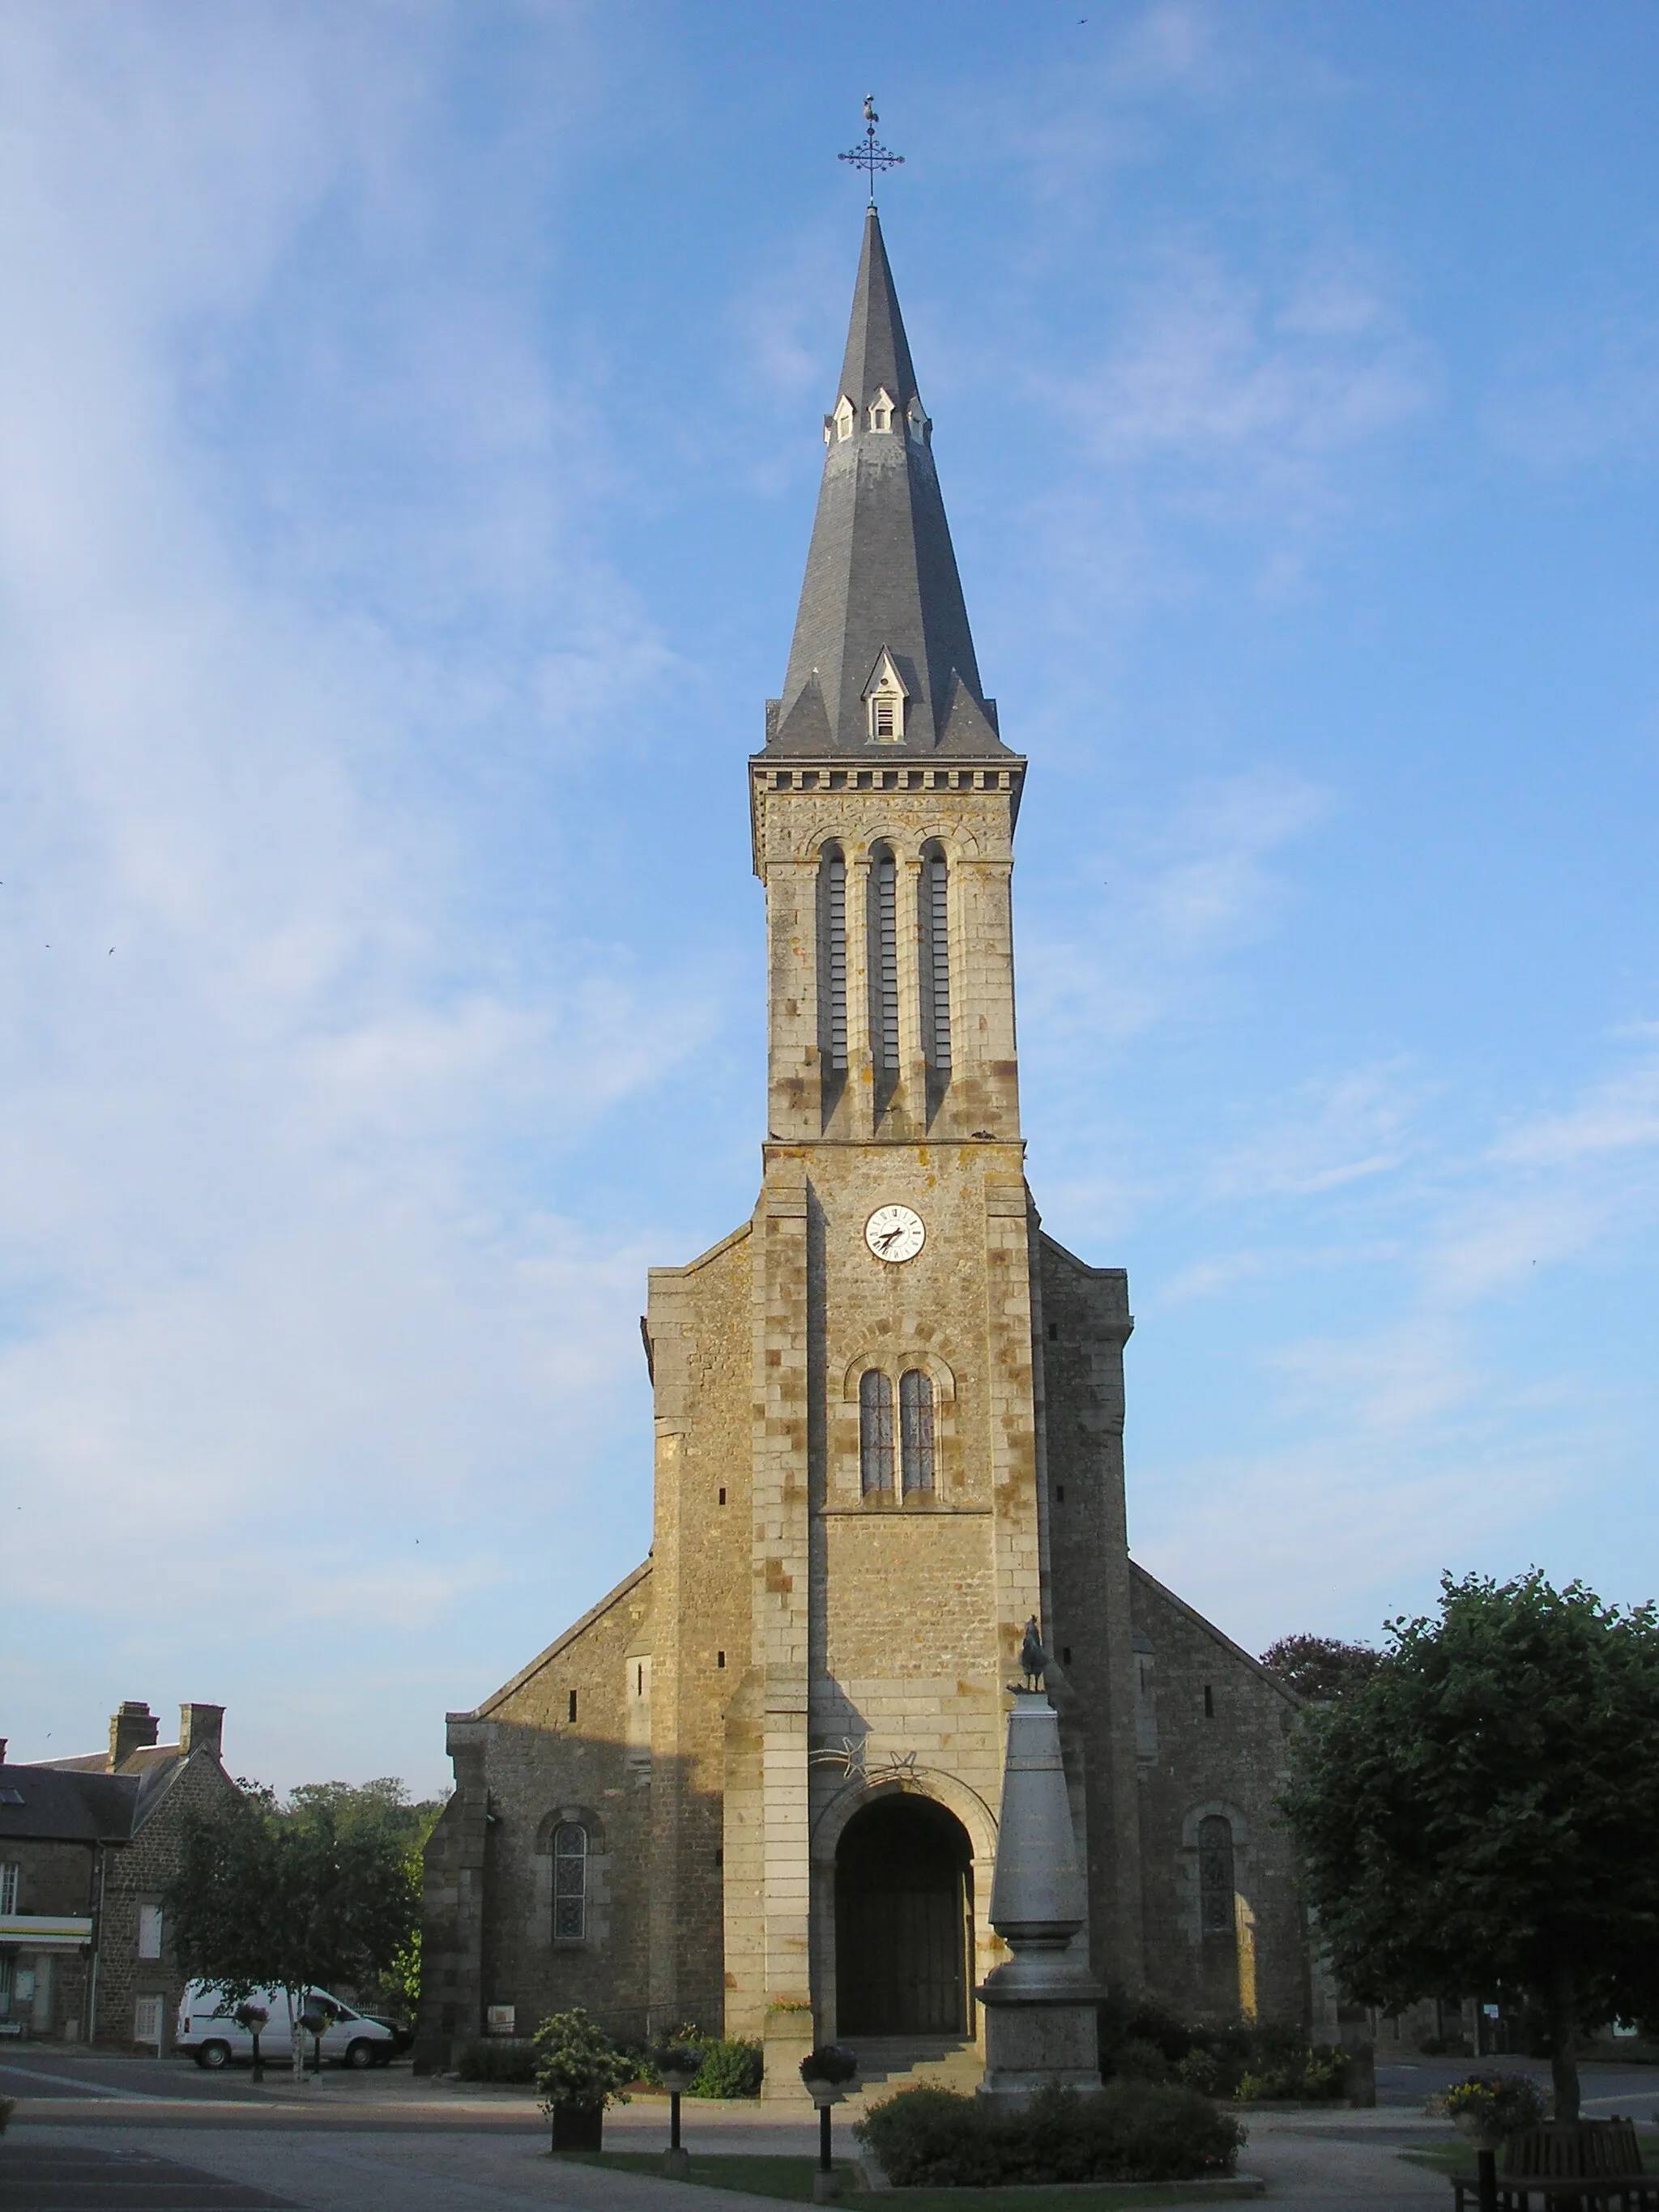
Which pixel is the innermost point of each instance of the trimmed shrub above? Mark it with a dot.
(731, 2068)
(1134, 2131)
(499, 2059)
(1303, 2077)
(1249, 2060)
(1136, 2061)
(577, 2064)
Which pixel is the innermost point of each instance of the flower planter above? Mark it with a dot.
(1478, 2130)
(578, 2127)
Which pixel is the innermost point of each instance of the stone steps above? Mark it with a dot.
(888, 2063)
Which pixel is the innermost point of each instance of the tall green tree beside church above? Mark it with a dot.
(323, 1891)
(1481, 1812)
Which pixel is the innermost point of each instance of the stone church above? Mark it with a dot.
(757, 1786)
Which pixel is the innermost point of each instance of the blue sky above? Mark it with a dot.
(409, 423)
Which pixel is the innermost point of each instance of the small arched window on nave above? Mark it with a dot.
(916, 1430)
(1215, 1875)
(570, 1882)
(875, 1432)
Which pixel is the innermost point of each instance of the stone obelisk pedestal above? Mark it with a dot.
(1040, 2006)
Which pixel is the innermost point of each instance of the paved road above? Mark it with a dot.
(98, 2133)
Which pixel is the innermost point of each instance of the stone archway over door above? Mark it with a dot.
(904, 1913)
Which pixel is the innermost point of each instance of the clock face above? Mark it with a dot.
(894, 1233)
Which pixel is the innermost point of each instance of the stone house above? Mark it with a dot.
(86, 1847)
(756, 1786)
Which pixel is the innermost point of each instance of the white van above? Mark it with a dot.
(210, 2031)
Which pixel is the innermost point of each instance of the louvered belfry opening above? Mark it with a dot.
(884, 973)
(935, 919)
(832, 975)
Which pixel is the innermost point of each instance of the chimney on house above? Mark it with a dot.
(201, 1728)
(132, 1728)
(2, 1751)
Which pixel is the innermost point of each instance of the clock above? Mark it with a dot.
(894, 1233)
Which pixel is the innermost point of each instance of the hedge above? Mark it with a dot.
(499, 2059)
(1132, 2131)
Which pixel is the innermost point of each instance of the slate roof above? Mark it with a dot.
(881, 572)
(68, 1801)
(61, 1807)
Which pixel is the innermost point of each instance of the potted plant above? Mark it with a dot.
(677, 2066)
(579, 2071)
(1487, 2107)
(253, 2017)
(829, 2070)
(316, 2019)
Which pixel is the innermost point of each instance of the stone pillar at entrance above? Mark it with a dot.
(1040, 2006)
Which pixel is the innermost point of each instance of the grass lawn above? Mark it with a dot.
(793, 2177)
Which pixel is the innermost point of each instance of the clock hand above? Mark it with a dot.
(891, 1237)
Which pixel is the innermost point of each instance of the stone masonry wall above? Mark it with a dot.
(701, 1327)
(1082, 1322)
(136, 1874)
(1214, 1733)
(522, 1765)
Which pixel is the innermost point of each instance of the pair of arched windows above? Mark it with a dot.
(883, 920)
(915, 1437)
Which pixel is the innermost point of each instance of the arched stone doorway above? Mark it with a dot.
(905, 1920)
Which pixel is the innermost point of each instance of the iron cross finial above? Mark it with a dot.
(873, 155)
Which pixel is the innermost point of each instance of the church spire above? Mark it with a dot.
(883, 657)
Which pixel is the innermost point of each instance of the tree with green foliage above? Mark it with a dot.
(1319, 1667)
(322, 1891)
(1481, 1812)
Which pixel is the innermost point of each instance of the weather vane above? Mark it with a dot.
(873, 155)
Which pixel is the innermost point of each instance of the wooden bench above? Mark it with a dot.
(1573, 2162)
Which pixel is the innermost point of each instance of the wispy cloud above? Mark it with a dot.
(1587, 397)
(1184, 896)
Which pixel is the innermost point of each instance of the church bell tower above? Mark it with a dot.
(900, 1536)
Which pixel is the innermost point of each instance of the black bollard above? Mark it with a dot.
(1486, 2165)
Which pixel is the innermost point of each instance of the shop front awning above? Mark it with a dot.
(44, 1931)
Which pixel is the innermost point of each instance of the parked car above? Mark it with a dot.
(210, 2031)
(401, 2034)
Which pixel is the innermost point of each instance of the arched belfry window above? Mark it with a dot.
(832, 987)
(875, 1431)
(570, 1882)
(884, 1022)
(936, 964)
(916, 1430)
(1215, 1875)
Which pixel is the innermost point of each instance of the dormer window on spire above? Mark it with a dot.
(915, 420)
(844, 417)
(884, 701)
(881, 411)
